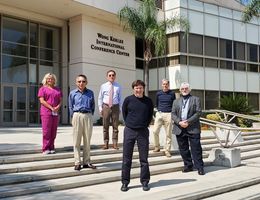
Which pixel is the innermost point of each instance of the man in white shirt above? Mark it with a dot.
(109, 104)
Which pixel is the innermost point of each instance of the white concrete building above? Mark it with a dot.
(70, 37)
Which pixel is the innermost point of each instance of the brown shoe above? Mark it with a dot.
(115, 146)
(156, 149)
(89, 166)
(77, 167)
(167, 154)
(105, 145)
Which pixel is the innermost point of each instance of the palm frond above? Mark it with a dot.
(131, 21)
(253, 9)
(148, 12)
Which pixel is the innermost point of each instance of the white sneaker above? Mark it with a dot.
(52, 152)
(46, 152)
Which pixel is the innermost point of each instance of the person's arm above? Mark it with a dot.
(151, 108)
(196, 111)
(100, 99)
(124, 108)
(71, 102)
(45, 103)
(120, 98)
(175, 118)
(93, 104)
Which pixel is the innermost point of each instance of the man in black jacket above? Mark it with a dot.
(186, 125)
(137, 112)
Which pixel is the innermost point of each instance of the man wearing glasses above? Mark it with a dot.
(186, 113)
(109, 104)
(82, 107)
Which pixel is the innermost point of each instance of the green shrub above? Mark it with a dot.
(213, 117)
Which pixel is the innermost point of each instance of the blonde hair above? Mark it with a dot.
(44, 80)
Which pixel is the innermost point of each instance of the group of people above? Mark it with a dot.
(177, 116)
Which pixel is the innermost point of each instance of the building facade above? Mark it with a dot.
(220, 55)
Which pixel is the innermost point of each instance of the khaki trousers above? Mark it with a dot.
(163, 119)
(82, 128)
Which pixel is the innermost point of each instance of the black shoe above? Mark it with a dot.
(187, 169)
(146, 187)
(124, 187)
(201, 171)
(77, 167)
(89, 166)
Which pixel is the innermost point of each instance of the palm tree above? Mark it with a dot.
(251, 10)
(142, 22)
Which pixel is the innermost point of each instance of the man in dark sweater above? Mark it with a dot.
(164, 100)
(137, 112)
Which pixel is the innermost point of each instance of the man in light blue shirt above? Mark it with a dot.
(109, 104)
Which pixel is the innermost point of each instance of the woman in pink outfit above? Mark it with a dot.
(50, 98)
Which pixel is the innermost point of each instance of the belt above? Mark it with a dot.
(83, 111)
(108, 105)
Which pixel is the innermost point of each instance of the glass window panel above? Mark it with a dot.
(32, 72)
(139, 48)
(153, 63)
(33, 52)
(195, 61)
(223, 93)
(211, 46)
(14, 30)
(200, 94)
(8, 116)
(195, 44)
(211, 100)
(173, 43)
(33, 99)
(211, 63)
(8, 98)
(183, 60)
(139, 64)
(183, 42)
(239, 66)
(253, 100)
(49, 37)
(161, 62)
(252, 68)
(225, 48)
(33, 117)
(51, 55)
(14, 49)
(226, 64)
(48, 67)
(14, 69)
(21, 98)
(239, 50)
(252, 52)
(21, 116)
(33, 34)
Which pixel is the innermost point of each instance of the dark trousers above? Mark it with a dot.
(190, 149)
(142, 138)
(113, 114)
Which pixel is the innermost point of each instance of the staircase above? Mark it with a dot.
(28, 172)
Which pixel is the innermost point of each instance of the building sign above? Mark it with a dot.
(109, 44)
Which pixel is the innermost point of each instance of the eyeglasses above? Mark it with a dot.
(184, 88)
(111, 75)
(81, 81)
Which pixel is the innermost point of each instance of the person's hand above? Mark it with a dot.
(184, 124)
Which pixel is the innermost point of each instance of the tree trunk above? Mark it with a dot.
(146, 77)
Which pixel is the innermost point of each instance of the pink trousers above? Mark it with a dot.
(49, 131)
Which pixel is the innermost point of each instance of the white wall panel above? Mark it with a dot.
(195, 5)
(177, 75)
(237, 15)
(225, 12)
(211, 79)
(253, 82)
(196, 22)
(226, 29)
(196, 77)
(210, 8)
(239, 31)
(139, 74)
(226, 80)
(252, 31)
(153, 80)
(240, 81)
(211, 25)
(171, 4)
(161, 75)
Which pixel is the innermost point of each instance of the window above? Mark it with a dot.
(225, 48)
(252, 68)
(239, 66)
(226, 64)
(211, 46)
(252, 52)
(195, 44)
(211, 100)
(253, 100)
(211, 63)
(175, 60)
(195, 61)
(139, 48)
(239, 50)
(200, 94)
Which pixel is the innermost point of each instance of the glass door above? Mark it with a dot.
(14, 105)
